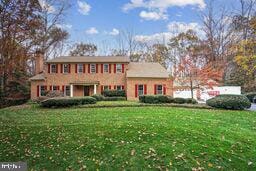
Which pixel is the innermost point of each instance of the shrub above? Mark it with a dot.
(180, 100)
(52, 94)
(235, 102)
(114, 98)
(114, 93)
(98, 97)
(67, 101)
(191, 101)
(251, 96)
(5, 102)
(154, 99)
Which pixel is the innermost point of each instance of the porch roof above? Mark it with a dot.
(86, 83)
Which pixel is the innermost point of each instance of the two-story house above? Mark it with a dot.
(85, 76)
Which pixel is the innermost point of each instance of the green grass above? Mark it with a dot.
(128, 138)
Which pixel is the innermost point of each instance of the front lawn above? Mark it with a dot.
(128, 138)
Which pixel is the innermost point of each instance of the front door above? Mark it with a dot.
(86, 90)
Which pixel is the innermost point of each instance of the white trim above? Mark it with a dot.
(71, 90)
(94, 89)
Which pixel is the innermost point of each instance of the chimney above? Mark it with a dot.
(39, 58)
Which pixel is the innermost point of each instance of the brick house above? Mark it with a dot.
(85, 76)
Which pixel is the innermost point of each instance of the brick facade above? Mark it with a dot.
(111, 79)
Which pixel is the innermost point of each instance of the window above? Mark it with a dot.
(54, 88)
(105, 67)
(118, 68)
(93, 68)
(53, 68)
(43, 91)
(65, 68)
(80, 68)
(119, 87)
(159, 89)
(67, 91)
(105, 87)
(141, 90)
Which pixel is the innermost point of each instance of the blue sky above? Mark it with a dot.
(99, 21)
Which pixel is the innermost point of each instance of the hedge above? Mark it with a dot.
(67, 101)
(5, 102)
(191, 101)
(234, 102)
(251, 96)
(114, 93)
(155, 99)
(180, 100)
(98, 97)
(114, 98)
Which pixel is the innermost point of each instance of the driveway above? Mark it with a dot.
(253, 108)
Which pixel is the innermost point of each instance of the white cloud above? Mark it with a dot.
(153, 15)
(92, 30)
(162, 4)
(64, 26)
(83, 7)
(174, 28)
(46, 7)
(114, 32)
(179, 27)
(154, 38)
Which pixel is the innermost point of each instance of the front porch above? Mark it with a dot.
(78, 89)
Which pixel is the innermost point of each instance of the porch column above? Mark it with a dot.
(95, 89)
(71, 90)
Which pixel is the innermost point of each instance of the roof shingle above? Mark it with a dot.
(89, 59)
(146, 70)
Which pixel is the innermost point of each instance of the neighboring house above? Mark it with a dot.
(85, 76)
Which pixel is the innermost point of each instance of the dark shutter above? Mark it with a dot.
(155, 89)
(136, 90)
(122, 87)
(56, 68)
(61, 68)
(50, 88)
(164, 86)
(102, 88)
(89, 68)
(96, 68)
(145, 89)
(114, 87)
(49, 68)
(109, 68)
(114, 68)
(69, 68)
(84, 69)
(109, 87)
(76, 69)
(122, 68)
(63, 88)
(37, 91)
(101, 68)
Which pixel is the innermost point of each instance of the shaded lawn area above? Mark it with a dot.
(131, 138)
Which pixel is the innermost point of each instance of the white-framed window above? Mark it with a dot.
(118, 68)
(54, 88)
(53, 68)
(140, 90)
(118, 87)
(106, 87)
(106, 68)
(43, 90)
(80, 68)
(93, 68)
(67, 91)
(159, 89)
(65, 68)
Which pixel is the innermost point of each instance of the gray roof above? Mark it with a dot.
(89, 59)
(38, 77)
(146, 70)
